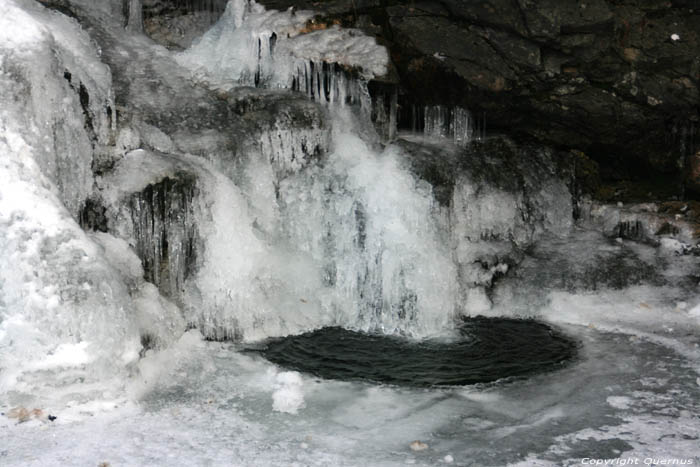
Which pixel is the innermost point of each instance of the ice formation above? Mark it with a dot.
(65, 116)
(363, 217)
(305, 228)
(455, 123)
(63, 317)
(75, 307)
(252, 46)
(451, 123)
(134, 21)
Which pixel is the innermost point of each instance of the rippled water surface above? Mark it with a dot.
(485, 349)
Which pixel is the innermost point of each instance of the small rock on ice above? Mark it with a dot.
(418, 446)
(23, 414)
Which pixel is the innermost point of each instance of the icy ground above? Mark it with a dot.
(626, 396)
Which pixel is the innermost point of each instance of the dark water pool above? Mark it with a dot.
(488, 349)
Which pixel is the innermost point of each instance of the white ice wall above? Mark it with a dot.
(68, 315)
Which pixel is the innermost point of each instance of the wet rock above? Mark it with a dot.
(693, 173)
(618, 80)
(93, 215)
(500, 198)
(497, 162)
(176, 31)
(581, 262)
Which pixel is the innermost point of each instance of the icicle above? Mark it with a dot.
(135, 21)
(290, 150)
(439, 121)
(393, 114)
(165, 231)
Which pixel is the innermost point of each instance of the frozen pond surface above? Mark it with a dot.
(625, 396)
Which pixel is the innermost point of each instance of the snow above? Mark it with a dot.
(619, 402)
(65, 355)
(672, 245)
(288, 397)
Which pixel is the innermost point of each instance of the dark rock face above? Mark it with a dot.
(496, 162)
(501, 198)
(616, 79)
(93, 216)
(175, 23)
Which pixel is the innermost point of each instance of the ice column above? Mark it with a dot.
(135, 20)
(448, 122)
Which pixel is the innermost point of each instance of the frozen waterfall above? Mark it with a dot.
(166, 214)
(291, 218)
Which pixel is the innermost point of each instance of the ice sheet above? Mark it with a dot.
(216, 406)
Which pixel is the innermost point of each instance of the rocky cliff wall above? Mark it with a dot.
(615, 79)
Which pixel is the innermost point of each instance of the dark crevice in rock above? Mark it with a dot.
(61, 6)
(148, 342)
(85, 104)
(631, 230)
(93, 216)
